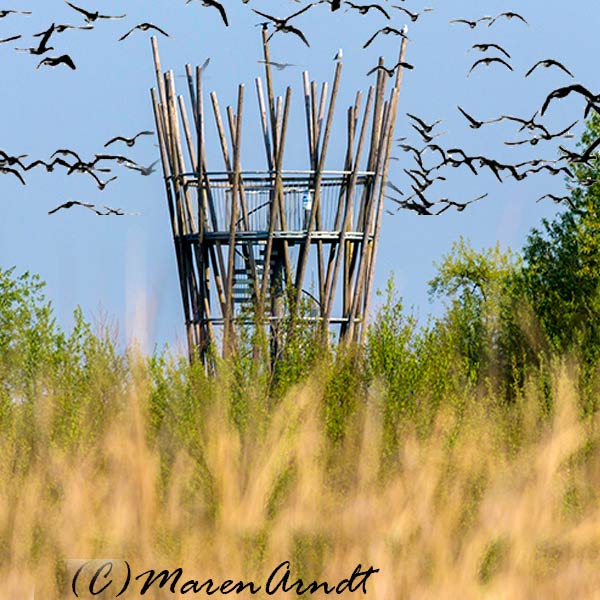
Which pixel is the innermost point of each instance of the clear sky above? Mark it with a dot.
(122, 269)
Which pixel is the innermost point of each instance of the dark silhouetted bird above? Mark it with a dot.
(471, 24)
(143, 27)
(487, 61)
(216, 5)
(54, 61)
(549, 62)
(363, 9)
(486, 47)
(385, 31)
(129, 141)
(391, 70)
(563, 92)
(91, 17)
(282, 24)
(412, 15)
(508, 15)
(71, 203)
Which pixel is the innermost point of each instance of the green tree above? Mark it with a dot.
(476, 285)
(561, 276)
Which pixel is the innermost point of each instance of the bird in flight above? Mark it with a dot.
(385, 31)
(143, 27)
(558, 200)
(392, 70)
(474, 123)
(42, 47)
(14, 172)
(216, 5)
(90, 17)
(12, 160)
(487, 61)
(282, 24)
(412, 15)
(549, 62)
(427, 128)
(425, 135)
(129, 141)
(471, 24)
(508, 15)
(5, 13)
(363, 9)
(54, 61)
(145, 171)
(118, 212)
(71, 203)
(584, 157)
(49, 166)
(67, 152)
(61, 28)
(460, 206)
(486, 47)
(10, 39)
(279, 66)
(563, 92)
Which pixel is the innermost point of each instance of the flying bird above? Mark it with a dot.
(7, 170)
(585, 156)
(549, 62)
(385, 31)
(412, 15)
(279, 66)
(487, 61)
(12, 160)
(129, 141)
(563, 92)
(363, 9)
(118, 212)
(425, 135)
(391, 70)
(61, 28)
(143, 27)
(71, 203)
(5, 13)
(474, 123)
(471, 24)
(559, 199)
(54, 61)
(486, 47)
(427, 128)
(216, 5)
(460, 206)
(42, 47)
(66, 152)
(10, 39)
(49, 166)
(282, 24)
(145, 171)
(508, 15)
(91, 17)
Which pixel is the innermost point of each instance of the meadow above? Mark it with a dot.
(397, 455)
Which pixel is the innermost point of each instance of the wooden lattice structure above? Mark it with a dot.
(244, 240)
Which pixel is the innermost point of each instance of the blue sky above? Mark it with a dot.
(122, 270)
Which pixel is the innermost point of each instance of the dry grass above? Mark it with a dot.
(497, 504)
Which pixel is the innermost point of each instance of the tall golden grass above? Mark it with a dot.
(492, 503)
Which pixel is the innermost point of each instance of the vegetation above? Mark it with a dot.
(337, 455)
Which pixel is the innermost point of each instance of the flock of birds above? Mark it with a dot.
(17, 166)
(425, 173)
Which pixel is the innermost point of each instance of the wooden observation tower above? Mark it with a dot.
(244, 240)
